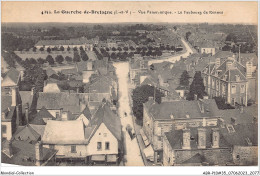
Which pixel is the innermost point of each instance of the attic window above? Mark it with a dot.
(230, 128)
(192, 138)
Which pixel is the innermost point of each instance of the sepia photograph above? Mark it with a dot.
(120, 83)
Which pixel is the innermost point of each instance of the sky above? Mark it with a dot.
(233, 12)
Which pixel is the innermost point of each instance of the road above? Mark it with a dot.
(175, 58)
(132, 155)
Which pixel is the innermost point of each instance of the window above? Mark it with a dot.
(233, 89)
(233, 101)
(99, 146)
(107, 146)
(73, 149)
(3, 128)
(242, 89)
(213, 83)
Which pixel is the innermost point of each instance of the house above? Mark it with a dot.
(168, 115)
(99, 141)
(138, 66)
(196, 147)
(228, 78)
(104, 135)
(30, 133)
(76, 42)
(68, 137)
(115, 32)
(11, 79)
(182, 91)
(244, 141)
(51, 88)
(22, 153)
(60, 104)
(11, 116)
(207, 47)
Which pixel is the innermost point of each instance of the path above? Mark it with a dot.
(132, 155)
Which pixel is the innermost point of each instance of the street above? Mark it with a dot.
(175, 58)
(132, 155)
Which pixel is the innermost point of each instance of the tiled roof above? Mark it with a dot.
(179, 109)
(241, 133)
(105, 115)
(22, 150)
(6, 101)
(64, 132)
(241, 117)
(67, 101)
(223, 54)
(43, 113)
(77, 41)
(87, 113)
(13, 74)
(26, 133)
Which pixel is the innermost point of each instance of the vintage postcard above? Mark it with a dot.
(119, 83)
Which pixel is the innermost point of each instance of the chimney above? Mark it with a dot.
(45, 82)
(201, 138)
(61, 111)
(215, 138)
(17, 115)
(195, 97)
(26, 113)
(33, 91)
(171, 116)
(217, 62)
(14, 96)
(3, 115)
(249, 69)
(229, 63)
(186, 139)
(38, 153)
(7, 148)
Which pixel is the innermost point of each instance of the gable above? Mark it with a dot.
(84, 119)
(99, 134)
(7, 81)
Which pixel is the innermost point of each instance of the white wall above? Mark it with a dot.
(81, 150)
(99, 137)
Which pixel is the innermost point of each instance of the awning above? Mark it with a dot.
(144, 137)
(149, 153)
(111, 158)
(98, 157)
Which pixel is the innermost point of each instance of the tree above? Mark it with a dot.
(40, 60)
(83, 55)
(68, 49)
(68, 59)
(113, 55)
(75, 49)
(80, 48)
(184, 79)
(59, 59)
(62, 48)
(50, 59)
(34, 49)
(76, 57)
(197, 87)
(107, 48)
(125, 48)
(33, 61)
(175, 28)
(113, 49)
(119, 49)
(141, 95)
(41, 49)
(48, 49)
